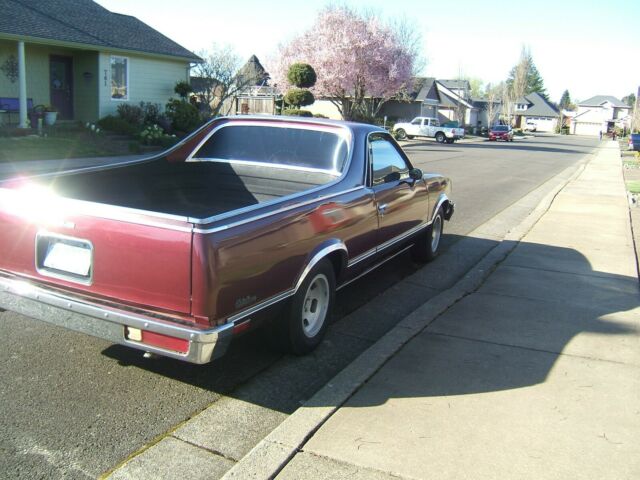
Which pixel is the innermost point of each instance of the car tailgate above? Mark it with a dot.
(132, 259)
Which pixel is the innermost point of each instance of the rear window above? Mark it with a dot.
(284, 146)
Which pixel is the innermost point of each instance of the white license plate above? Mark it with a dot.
(75, 259)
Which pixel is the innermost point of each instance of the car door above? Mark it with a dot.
(424, 127)
(401, 202)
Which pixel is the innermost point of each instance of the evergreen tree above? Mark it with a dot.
(565, 100)
(630, 100)
(533, 81)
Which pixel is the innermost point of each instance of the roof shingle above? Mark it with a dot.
(85, 22)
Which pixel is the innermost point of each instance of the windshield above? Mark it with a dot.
(291, 147)
(501, 128)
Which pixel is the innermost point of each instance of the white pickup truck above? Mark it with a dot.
(427, 127)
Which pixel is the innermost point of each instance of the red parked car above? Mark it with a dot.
(501, 132)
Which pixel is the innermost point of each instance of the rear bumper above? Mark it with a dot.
(109, 323)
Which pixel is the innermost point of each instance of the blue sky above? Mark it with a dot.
(590, 48)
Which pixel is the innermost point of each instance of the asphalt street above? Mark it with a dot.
(75, 407)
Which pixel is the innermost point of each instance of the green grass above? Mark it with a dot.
(633, 186)
(72, 144)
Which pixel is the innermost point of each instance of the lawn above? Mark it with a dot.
(67, 144)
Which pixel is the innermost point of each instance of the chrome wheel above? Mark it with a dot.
(436, 233)
(315, 305)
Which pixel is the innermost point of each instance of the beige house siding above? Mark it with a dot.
(85, 86)
(150, 80)
(37, 70)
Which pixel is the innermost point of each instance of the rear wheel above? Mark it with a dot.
(401, 134)
(307, 318)
(427, 246)
(440, 137)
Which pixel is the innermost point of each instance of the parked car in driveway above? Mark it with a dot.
(249, 221)
(634, 142)
(530, 126)
(501, 132)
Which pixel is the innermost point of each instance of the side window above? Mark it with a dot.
(416, 121)
(388, 164)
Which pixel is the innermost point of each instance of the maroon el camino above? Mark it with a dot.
(249, 221)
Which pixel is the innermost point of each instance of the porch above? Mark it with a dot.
(34, 75)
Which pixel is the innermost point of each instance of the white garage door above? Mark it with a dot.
(588, 128)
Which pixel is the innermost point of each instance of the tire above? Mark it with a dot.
(410, 137)
(427, 246)
(440, 137)
(307, 317)
(401, 134)
(450, 141)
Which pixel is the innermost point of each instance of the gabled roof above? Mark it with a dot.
(600, 99)
(538, 106)
(87, 23)
(456, 84)
(252, 73)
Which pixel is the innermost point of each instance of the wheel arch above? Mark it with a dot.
(333, 250)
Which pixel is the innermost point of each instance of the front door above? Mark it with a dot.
(61, 85)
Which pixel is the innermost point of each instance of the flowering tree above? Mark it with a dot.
(360, 62)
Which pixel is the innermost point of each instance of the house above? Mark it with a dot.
(534, 108)
(487, 115)
(447, 100)
(83, 59)
(455, 102)
(421, 100)
(600, 114)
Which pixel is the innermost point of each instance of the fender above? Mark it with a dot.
(320, 252)
(443, 200)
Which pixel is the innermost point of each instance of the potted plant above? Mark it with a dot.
(50, 115)
(35, 114)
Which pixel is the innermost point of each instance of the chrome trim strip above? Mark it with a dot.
(387, 244)
(275, 212)
(362, 257)
(281, 166)
(109, 212)
(101, 320)
(370, 269)
(260, 306)
(339, 246)
(289, 293)
(443, 198)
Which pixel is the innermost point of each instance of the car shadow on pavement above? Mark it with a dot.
(519, 309)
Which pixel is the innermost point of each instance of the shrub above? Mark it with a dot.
(118, 125)
(132, 114)
(302, 75)
(183, 89)
(184, 116)
(296, 112)
(298, 97)
(154, 135)
(150, 113)
(319, 115)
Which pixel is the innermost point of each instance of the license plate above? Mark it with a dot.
(65, 257)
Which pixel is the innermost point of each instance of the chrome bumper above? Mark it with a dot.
(109, 323)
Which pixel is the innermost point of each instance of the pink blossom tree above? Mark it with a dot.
(360, 62)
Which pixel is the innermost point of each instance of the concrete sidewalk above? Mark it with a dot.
(535, 374)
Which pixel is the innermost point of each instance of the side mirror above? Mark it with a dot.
(415, 174)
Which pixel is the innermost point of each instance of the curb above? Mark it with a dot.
(273, 453)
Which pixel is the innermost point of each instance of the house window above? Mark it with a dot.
(119, 78)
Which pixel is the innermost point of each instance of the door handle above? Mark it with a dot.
(382, 208)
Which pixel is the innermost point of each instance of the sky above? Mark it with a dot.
(587, 47)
